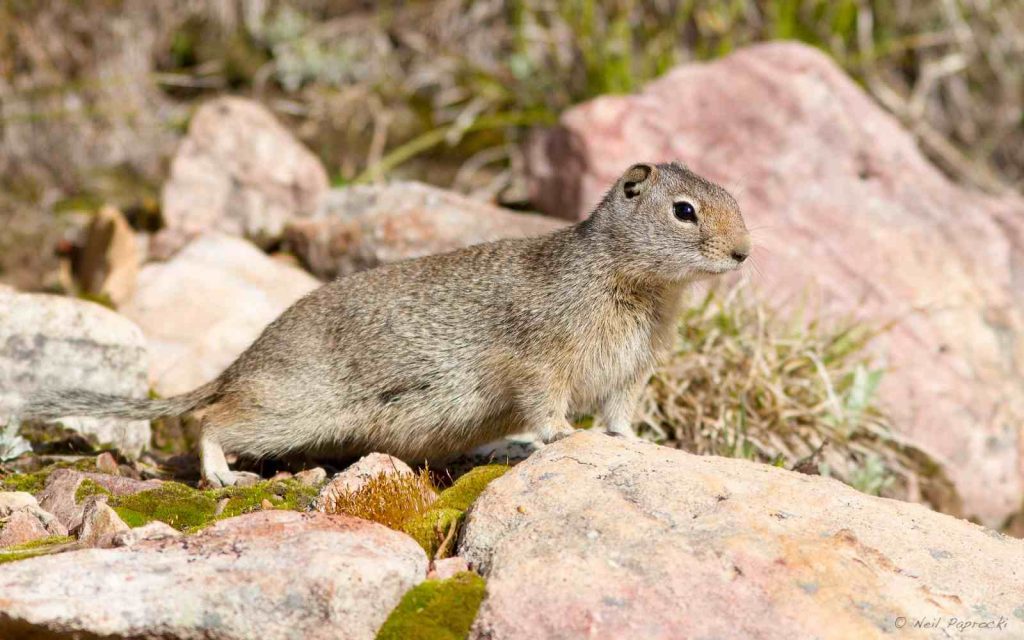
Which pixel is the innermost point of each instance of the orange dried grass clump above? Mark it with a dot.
(388, 498)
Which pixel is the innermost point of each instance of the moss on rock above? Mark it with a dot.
(433, 527)
(34, 481)
(469, 486)
(436, 610)
(39, 547)
(436, 528)
(188, 509)
(89, 488)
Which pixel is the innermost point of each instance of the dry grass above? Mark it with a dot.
(750, 383)
(388, 498)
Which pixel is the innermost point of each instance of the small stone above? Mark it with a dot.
(247, 479)
(155, 530)
(312, 477)
(100, 523)
(22, 520)
(108, 263)
(281, 475)
(11, 501)
(447, 567)
(107, 463)
(266, 505)
(21, 527)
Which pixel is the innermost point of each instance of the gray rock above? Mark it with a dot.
(239, 171)
(269, 575)
(51, 342)
(597, 537)
(365, 226)
(202, 308)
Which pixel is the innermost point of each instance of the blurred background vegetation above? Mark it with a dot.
(93, 93)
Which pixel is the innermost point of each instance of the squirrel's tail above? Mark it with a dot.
(49, 405)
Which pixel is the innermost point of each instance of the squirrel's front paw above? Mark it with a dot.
(625, 435)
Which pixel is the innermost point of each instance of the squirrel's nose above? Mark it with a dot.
(741, 248)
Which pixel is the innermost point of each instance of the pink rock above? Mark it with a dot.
(270, 575)
(447, 567)
(239, 171)
(155, 530)
(597, 537)
(200, 310)
(100, 523)
(365, 226)
(21, 527)
(58, 496)
(847, 212)
(311, 477)
(22, 520)
(106, 463)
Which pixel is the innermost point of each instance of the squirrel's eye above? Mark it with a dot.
(684, 211)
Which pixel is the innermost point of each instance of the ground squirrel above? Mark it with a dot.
(427, 358)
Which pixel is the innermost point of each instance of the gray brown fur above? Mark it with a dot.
(427, 358)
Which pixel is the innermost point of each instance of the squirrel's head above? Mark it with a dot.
(672, 223)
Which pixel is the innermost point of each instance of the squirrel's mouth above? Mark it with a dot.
(718, 267)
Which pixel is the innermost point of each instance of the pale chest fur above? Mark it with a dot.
(623, 344)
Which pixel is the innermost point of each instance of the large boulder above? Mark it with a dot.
(52, 342)
(847, 214)
(239, 171)
(203, 307)
(364, 226)
(597, 537)
(270, 575)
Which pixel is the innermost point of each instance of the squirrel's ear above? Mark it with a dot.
(637, 178)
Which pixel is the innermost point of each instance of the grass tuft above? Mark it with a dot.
(409, 503)
(388, 498)
(748, 382)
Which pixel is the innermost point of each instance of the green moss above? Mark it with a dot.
(430, 529)
(436, 610)
(178, 505)
(469, 487)
(89, 488)
(34, 481)
(188, 509)
(31, 482)
(39, 547)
